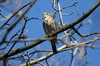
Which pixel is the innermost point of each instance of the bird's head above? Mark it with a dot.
(46, 14)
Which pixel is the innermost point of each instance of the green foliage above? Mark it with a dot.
(2, 0)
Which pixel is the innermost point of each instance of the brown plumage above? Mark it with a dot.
(49, 25)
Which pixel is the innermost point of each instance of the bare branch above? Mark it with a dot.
(61, 48)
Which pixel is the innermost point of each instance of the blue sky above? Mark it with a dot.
(34, 28)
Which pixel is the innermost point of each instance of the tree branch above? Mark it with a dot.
(74, 45)
(56, 32)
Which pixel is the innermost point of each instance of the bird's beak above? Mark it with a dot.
(43, 13)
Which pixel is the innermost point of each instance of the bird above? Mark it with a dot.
(50, 26)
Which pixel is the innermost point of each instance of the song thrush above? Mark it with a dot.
(49, 25)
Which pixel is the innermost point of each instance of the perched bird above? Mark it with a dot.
(49, 25)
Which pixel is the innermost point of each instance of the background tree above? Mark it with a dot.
(23, 40)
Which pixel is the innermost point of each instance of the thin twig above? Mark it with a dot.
(53, 34)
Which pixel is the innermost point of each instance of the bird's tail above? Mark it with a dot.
(53, 44)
